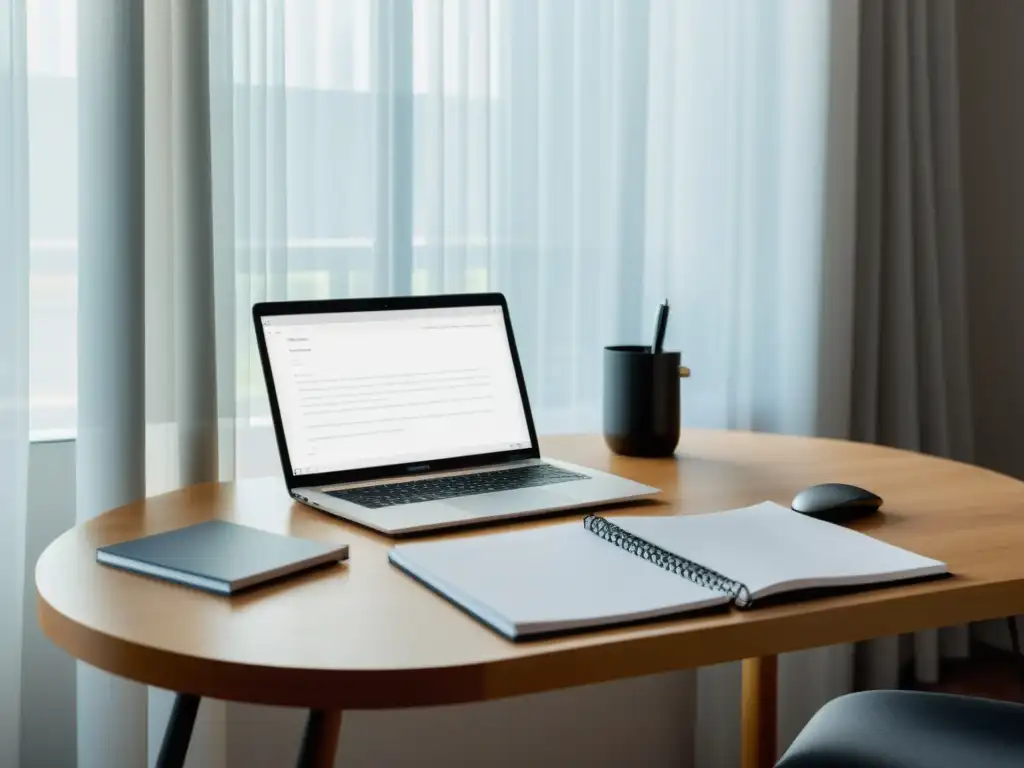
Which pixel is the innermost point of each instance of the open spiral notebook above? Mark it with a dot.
(613, 570)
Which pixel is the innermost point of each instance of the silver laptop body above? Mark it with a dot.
(410, 414)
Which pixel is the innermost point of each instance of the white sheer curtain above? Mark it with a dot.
(13, 366)
(586, 157)
(110, 455)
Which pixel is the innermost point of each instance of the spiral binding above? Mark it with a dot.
(680, 566)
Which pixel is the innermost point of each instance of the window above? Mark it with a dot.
(327, 55)
(53, 213)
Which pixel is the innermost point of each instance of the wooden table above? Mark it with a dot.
(365, 636)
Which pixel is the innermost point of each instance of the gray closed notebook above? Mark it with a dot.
(219, 557)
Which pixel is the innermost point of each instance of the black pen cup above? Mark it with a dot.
(641, 401)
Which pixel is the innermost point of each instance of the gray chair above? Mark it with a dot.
(906, 729)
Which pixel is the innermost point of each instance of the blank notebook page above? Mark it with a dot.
(549, 579)
(771, 549)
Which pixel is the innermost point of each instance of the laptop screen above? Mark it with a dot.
(359, 390)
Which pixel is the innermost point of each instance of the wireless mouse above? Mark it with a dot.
(836, 502)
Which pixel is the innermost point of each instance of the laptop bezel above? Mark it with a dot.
(261, 310)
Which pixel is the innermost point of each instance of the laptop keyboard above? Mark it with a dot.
(454, 486)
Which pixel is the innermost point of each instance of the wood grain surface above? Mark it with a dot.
(363, 635)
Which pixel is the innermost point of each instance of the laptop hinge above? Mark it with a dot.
(430, 475)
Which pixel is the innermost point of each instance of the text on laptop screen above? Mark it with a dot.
(370, 389)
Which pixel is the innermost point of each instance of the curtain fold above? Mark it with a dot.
(910, 362)
(185, 362)
(192, 237)
(182, 361)
(148, 358)
(910, 373)
(110, 445)
(14, 266)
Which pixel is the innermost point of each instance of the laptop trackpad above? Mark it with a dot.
(509, 502)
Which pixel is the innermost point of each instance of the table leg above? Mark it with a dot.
(760, 716)
(320, 742)
(179, 731)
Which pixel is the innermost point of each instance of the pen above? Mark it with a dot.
(659, 329)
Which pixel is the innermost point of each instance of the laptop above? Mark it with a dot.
(410, 414)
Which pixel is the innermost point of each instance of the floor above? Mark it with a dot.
(990, 673)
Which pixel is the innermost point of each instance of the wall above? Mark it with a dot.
(992, 133)
(48, 674)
